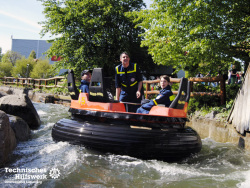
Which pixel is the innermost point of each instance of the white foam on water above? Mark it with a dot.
(124, 160)
(246, 183)
(174, 171)
(41, 112)
(50, 125)
(53, 147)
(71, 159)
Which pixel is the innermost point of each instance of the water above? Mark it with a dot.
(218, 165)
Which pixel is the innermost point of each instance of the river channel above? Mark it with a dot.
(41, 162)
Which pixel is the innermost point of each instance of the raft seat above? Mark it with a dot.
(84, 103)
(100, 87)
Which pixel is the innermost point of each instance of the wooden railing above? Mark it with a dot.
(33, 83)
(193, 81)
(218, 79)
(39, 83)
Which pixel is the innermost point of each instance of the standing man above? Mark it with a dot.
(128, 81)
(233, 75)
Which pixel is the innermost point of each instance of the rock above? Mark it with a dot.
(211, 115)
(20, 128)
(50, 99)
(21, 106)
(10, 91)
(2, 93)
(7, 138)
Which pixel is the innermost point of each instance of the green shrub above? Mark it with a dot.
(207, 103)
(231, 91)
(197, 103)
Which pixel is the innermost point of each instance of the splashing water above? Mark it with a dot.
(45, 163)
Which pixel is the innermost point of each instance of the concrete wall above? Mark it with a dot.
(219, 131)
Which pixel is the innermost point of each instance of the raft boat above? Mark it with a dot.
(101, 123)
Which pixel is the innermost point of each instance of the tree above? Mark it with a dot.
(32, 54)
(93, 33)
(23, 67)
(11, 57)
(197, 35)
(42, 69)
(5, 69)
(1, 55)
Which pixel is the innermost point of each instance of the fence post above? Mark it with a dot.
(33, 83)
(147, 89)
(56, 80)
(191, 86)
(222, 91)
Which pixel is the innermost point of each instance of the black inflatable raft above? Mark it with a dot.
(105, 125)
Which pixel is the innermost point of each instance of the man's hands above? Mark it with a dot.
(138, 94)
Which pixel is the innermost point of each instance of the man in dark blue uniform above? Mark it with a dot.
(162, 97)
(128, 81)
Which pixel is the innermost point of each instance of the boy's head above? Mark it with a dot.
(86, 75)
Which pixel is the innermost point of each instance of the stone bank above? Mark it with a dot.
(219, 131)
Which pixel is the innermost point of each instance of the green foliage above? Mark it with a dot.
(23, 67)
(204, 87)
(93, 33)
(5, 69)
(14, 65)
(231, 91)
(58, 90)
(32, 54)
(196, 103)
(11, 57)
(175, 86)
(196, 35)
(208, 103)
(42, 69)
(1, 55)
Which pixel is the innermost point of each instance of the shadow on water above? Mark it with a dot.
(65, 165)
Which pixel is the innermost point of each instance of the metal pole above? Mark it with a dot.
(27, 74)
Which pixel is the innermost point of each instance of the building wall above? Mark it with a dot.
(25, 46)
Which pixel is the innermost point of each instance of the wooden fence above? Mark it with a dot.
(39, 83)
(222, 94)
(239, 116)
(33, 83)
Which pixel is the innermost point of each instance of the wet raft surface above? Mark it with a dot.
(168, 144)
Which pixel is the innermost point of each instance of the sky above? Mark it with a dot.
(19, 20)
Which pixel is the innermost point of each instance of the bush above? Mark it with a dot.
(208, 103)
(231, 91)
(42, 69)
(5, 69)
(197, 103)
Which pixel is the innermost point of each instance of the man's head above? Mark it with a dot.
(86, 75)
(124, 58)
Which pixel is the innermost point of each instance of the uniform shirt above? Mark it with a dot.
(127, 79)
(162, 98)
(84, 87)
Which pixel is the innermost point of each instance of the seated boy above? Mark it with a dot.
(86, 77)
(162, 97)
